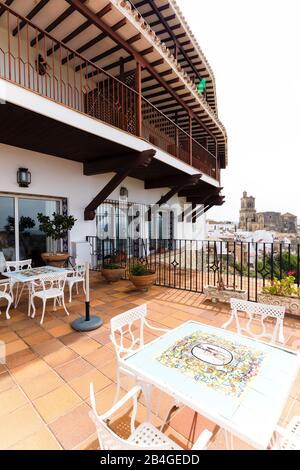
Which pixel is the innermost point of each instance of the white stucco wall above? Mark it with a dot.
(57, 177)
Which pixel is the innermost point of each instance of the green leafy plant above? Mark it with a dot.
(112, 266)
(57, 227)
(285, 287)
(140, 270)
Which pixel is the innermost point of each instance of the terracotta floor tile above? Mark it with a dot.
(56, 403)
(105, 398)
(110, 370)
(15, 346)
(101, 335)
(30, 370)
(178, 438)
(19, 358)
(37, 338)
(100, 357)
(70, 435)
(47, 347)
(72, 338)
(20, 324)
(41, 440)
(60, 357)
(190, 424)
(8, 336)
(74, 369)
(81, 384)
(52, 323)
(85, 346)
(6, 381)
(11, 400)
(30, 330)
(54, 361)
(19, 425)
(61, 330)
(293, 342)
(40, 385)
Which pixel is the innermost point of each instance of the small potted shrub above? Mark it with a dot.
(141, 276)
(282, 292)
(112, 272)
(55, 228)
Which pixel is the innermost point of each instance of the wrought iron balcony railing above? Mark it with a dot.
(191, 265)
(35, 60)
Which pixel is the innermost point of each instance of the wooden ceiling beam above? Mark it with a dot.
(117, 63)
(109, 52)
(173, 181)
(131, 163)
(2, 9)
(94, 41)
(80, 28)
(55, 23)
(38, 7)
(176, 42)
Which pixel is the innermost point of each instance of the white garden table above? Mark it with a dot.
(30, 275)
(237, 382)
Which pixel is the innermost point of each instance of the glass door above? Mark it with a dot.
(33, 242)
(7, 228)
(20, 235)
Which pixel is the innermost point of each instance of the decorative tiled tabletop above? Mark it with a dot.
(238, 382)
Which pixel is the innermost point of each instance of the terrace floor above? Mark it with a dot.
(44, 383)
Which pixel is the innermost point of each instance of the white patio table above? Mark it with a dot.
(34, 274)
(237, 382)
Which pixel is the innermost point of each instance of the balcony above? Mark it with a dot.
(33, 59)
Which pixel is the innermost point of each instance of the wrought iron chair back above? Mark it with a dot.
(12, 266)
(256, 315)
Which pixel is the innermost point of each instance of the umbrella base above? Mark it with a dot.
(81, 324)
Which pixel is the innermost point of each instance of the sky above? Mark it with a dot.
(253, 48)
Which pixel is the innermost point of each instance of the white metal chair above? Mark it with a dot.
(288, 438)
(260, 312)
(144, 437)
(121, 328)
(5, 289)
(50, 286)
(76, 277)
(13, 266)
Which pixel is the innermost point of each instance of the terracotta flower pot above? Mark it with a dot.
(143, 282)
(113, 275)
(55, 259)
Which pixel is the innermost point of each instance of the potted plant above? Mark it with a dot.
(141, 276)
(112, 272)
(282, 292)
(55, 228)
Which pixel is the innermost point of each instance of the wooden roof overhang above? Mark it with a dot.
(114, 36)
(169, 24)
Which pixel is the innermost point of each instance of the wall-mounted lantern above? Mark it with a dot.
(23, 177)
(123, 193)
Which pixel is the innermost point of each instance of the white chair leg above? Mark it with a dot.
(281, 335)
(227, 323)
(77, 291)
(33, 306)
(70, 291)
(43, 313)
(64, 305)
(9, 300)
(29, 299)
(16, 296)
(117, 394)
(83, 285)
